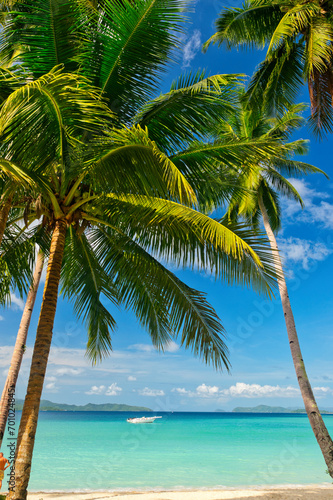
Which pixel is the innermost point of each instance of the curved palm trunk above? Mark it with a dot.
(4, 212)
(29, 418)
(318, 426)
(21, 339)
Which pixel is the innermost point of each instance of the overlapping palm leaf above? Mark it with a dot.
(299, 40)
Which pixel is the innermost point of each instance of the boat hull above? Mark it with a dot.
(142, 420)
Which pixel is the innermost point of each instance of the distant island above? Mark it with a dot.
(46, 405)
(270, 409)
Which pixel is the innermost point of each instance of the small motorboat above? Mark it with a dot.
(142, 420)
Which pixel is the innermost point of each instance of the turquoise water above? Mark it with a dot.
(99, 450)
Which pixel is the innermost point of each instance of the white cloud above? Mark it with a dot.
(171, 347)
(151, 392)
(191, 48)
(96, 390)
(17, 302)
(303, 251)
(242, 390)
(113, 390)
(255, 391)
(131, 378)
(142, 347)
(315, 210)
(2, 318)
(68, 371)
(207, 390)
(179, 390)
(51, 386)
(322, 391)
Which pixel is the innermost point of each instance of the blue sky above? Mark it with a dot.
(262, 370)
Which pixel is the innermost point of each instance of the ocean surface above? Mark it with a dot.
(101, 451)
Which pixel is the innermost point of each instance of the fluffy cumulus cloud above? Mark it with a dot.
(50, 385)
(131, 378)
(296, 250)
(321, 392)
(111, 390)
(16, 302)
(242, 390)
(191, 48)
(151, 392)
(96, 389)
(207, 390)
(171, 347)
(318, 208)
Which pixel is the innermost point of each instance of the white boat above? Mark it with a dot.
(142, 420)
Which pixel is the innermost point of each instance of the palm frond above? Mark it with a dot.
(321, 91)
(163, 304)
(55, 110)
(129, 161)
(128, 50)
(16, 262)
(248, 26)
(84, 282)
(275, 85)
(185, 237)
(185, 113)
(293, 22)
(48, 29)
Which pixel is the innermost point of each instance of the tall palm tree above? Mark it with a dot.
(264, 181)
(299, 36)
(106, 207)
(19, 347)
(109, 194)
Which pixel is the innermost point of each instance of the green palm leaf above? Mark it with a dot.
(48, 29)
(84, 282)
(164, 305)
(191, 109)
(128, 64)
(130, 161)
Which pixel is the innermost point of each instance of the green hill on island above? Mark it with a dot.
(46, 405)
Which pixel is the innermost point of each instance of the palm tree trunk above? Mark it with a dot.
(21, 339)
(318, 426)
(4, 212)
(29, 418)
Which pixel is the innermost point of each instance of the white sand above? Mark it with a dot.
(273, 493)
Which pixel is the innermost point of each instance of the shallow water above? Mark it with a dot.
(100, 450)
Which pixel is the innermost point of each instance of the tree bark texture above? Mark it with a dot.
(29, 418)
(317, 423)
(4, 212)
(19, 348)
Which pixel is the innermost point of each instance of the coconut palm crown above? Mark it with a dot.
(113, 177)
(265, 181)
(299, 41)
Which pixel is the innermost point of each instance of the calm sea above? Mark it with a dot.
(100, 450)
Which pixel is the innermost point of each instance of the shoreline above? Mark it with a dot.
(276, 492)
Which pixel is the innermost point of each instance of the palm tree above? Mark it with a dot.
(299, 36)
(20, 343)
(261, 202)
(106, 207)
(107, 194)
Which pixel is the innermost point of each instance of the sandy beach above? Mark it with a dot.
(273, 493)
